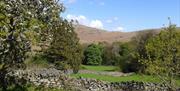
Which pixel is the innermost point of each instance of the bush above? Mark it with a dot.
(125, 58)
(38, 60)
(163, 53)
(108, 55)
(139, 52)
(93, 55)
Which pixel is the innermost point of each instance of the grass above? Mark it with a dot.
(29, 87)
(37, 61)
(34, 88)
(99, 68)
(135, 77)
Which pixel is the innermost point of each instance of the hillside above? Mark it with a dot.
(89, 35)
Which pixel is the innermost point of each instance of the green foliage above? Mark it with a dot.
(37, 61)
(125, 59)
(139, 50)
(93, 55)
(65, 50)
(140, 41)
(108, 57)
(110, 53)
(17, 17)
(30, 87)
(163, 53)
(122, 56)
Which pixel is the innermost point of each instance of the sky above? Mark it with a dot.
(123, 15)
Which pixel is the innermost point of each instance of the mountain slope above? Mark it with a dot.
(90, 35)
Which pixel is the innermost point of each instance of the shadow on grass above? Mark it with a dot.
(18, 88)
(110, 70)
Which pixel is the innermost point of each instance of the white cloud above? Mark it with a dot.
(81, 19)
(119, 29)
(96, 24)
(114, 19)
(84, 21)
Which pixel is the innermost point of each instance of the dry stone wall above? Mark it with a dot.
(56, 78)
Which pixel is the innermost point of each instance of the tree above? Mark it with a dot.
(163, 53)
(122, 54)
(125, 58)
(107, 55)
(65, 50)
(16, 18)
(115, 52)
(139, 42)
(93, 55)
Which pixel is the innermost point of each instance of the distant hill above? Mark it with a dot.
(90, 35)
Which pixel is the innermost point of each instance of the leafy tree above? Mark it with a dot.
(111, 53)
(65, 50)
(125, 57)
(16, 18)
(122, 54)
(139, 52)
(107, 53)
(115, 52)
(163, 53)
(140, 41)
(107, 56)
(93, 55)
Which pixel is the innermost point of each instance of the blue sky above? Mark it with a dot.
(123, 15)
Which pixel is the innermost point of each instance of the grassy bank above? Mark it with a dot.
(135, 77)
(99, 68)
(30, 87)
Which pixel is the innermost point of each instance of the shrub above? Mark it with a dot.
(125, 58)
(139, 52)
(163, 53)
(37, 60)
(93, 55)
(108, 56)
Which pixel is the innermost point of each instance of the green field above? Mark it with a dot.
(99, 68)
(134, 77)
(30, 87)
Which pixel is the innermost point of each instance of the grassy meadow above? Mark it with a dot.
(133, 77)
(99, 68)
